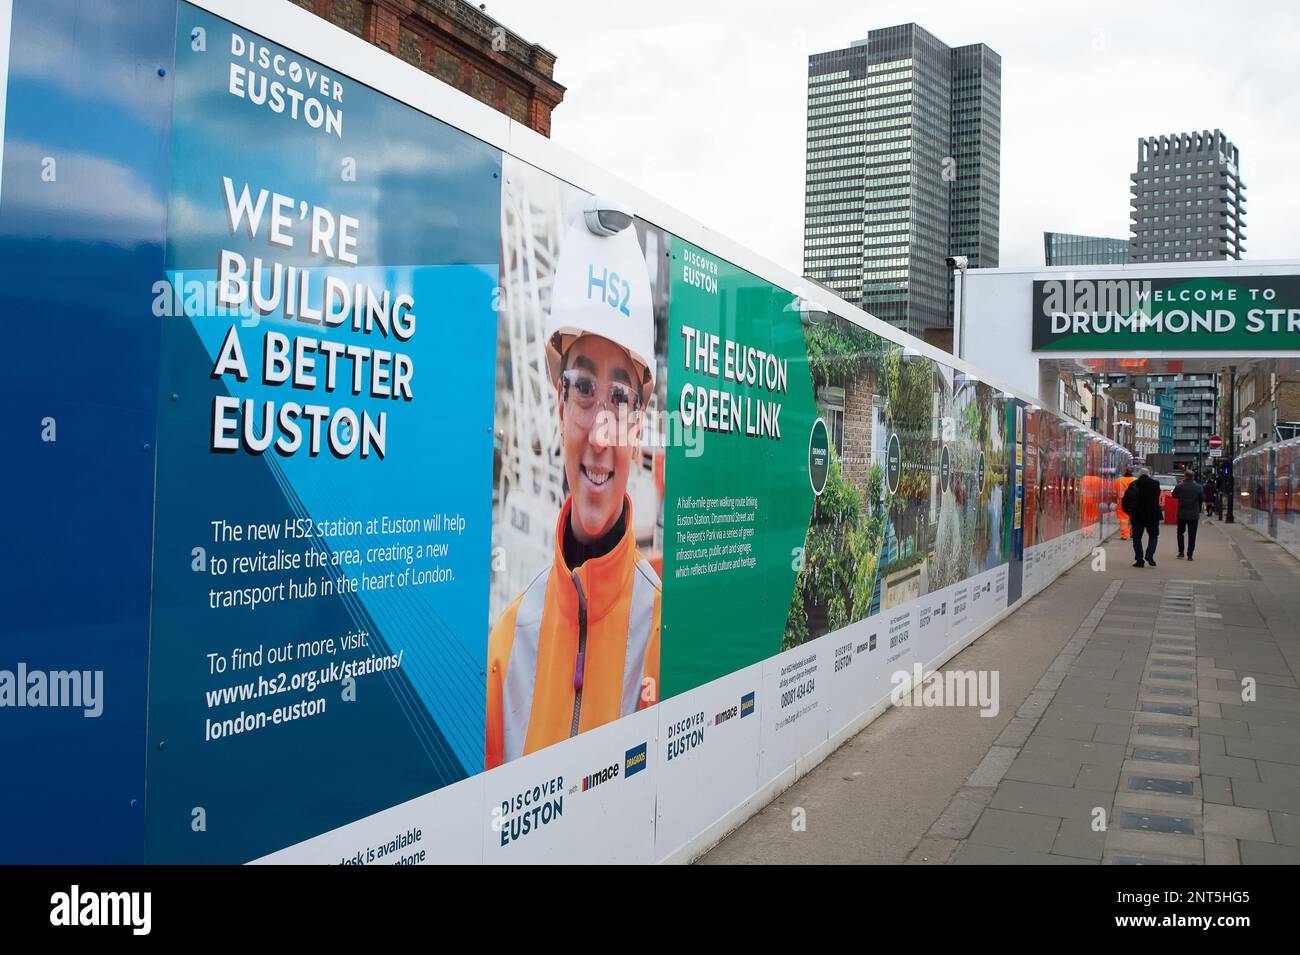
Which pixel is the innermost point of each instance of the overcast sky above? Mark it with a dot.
(703, 103)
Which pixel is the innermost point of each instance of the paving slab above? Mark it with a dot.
(1267, 853)
(933, 851)
(1216, 789)
(1016, 830)
(1238, 822)
(974, 853)
(1283, 773)
(1157, 844)
(1077, 839)
(1262, 795)
(1286, 828)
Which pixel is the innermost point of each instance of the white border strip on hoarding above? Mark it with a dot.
(351, 56)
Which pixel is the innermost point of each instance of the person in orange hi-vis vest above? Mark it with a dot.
(1121, 485)
(580, 646)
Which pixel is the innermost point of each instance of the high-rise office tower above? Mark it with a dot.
(1188, 201)
(903, 170)
(1194, 413)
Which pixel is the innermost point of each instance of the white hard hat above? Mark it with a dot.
(602, 288)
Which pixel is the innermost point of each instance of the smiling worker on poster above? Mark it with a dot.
(580, 646)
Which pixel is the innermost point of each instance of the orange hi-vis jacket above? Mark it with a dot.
(1125, 522)
(577, 649)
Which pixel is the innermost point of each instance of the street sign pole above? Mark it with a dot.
(1232, 438)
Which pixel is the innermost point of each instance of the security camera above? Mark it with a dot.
(606, 216)
(810, 312)
(957, 262)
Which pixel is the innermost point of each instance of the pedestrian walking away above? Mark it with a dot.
(1142, 503)
(1190, 495)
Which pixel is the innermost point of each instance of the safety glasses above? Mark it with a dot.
(585, 397)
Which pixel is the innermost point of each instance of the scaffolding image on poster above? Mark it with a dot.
(322, 514)
(578, 466)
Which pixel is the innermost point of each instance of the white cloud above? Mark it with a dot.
(84, 188)
(119, 72)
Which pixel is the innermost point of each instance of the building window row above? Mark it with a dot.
(836, 122)
(890, 66)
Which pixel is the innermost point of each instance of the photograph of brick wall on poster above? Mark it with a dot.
(915, 495)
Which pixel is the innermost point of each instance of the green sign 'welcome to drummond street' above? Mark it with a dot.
(1202, 313)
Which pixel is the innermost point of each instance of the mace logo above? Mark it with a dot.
(634, 760)
(592, 780)
(131, 909)
(746, 705)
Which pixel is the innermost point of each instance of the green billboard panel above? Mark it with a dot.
(739, 500)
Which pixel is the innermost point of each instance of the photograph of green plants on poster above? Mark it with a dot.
(916, 491)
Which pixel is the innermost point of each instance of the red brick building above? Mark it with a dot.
(460, 45)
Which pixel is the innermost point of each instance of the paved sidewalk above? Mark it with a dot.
(1124, 737)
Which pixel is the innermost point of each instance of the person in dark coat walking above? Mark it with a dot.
(1211, 495)
(1145, 515)
(1190, 496)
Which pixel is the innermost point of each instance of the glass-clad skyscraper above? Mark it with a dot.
(903, 170)
(1064, 248)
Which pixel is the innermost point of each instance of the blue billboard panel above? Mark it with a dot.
(86, 104)
(324, 452)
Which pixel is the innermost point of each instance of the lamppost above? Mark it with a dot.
(1230, 478)
(960, 263)
(1200, 436)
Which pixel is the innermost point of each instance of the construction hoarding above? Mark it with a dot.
(493, 521)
